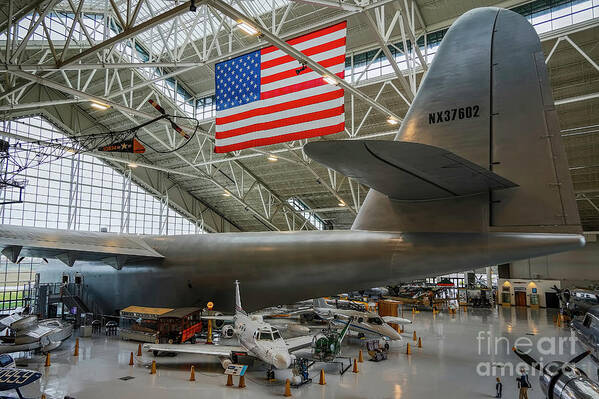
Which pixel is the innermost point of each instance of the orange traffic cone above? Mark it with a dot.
(47, 360)
(322, 381)
(414, 338)
(355, 370)
(192, 376)
(131, 359)
(229, 380)
(139, 350)
(287, 388)
(153, 370)
(360, 357)
(408, 350)
(76, 353)
(242, 381)
(419, 342)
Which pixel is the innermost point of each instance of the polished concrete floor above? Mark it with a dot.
(460, 357)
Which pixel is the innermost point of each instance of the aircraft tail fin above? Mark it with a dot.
(238, 308)
(320, 303)
(480, 147)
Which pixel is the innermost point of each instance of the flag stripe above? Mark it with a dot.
(258, 123)
(320, 48)
(297, 87)
(319, 41)
(265, 110)
(303, 134)
(291, 72)
(295, 65)
(298, 79)
(292, 120)
(271, 102)
(309, 36)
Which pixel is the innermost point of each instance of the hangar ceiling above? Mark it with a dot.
(123, 52)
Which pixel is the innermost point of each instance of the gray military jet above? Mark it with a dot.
(477, 176)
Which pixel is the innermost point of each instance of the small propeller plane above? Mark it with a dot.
(257, 339)
(12, 378)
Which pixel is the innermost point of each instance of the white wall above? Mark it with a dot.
(542, 286)
(578, 268)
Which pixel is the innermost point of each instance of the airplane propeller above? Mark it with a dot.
(175, 127)
(533, 363)
(527, 358)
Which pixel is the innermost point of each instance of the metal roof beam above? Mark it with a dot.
(130, 31)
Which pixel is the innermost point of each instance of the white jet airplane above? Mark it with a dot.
(256, 338)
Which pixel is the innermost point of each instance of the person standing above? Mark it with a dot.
(523, 384)
(498, 388)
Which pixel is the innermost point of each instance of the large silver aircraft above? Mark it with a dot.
(477, 176)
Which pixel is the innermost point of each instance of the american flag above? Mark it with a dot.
(267, 97)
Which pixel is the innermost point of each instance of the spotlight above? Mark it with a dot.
(227, 194)
(341, 203)
(392, 121)
(132, 165)
(272, 158)
(247, 28)
(100, 106)
(330, 80)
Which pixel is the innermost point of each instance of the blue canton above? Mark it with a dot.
(238, 81)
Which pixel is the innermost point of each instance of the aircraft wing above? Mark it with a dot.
(70, 246)
(297, 343)
(390, 167)
(396, 320)
(198, 349)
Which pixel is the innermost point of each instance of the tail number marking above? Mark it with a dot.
(453, 114)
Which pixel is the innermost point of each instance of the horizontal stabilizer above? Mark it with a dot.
(406, 171)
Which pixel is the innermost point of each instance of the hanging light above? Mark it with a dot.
(330, 80)
(247, 28)
(100, 106)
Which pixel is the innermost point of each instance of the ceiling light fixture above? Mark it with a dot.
(227, 194)
(330, 80)
(247, 28)
(132, 165)
(341, 203)
(100, 106)
(392, 121)
(272, 158)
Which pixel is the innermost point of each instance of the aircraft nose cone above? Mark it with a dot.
(282, 360)
(393, 334)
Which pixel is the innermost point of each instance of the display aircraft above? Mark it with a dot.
(477, 176)
(587, 331)
(563, 380)
(12, 378)
(257, 339)
(365, 323)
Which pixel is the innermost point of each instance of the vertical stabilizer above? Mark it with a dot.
(487, 99)
(238, 308)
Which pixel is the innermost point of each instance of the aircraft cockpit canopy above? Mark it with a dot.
(268, 335)
(375, 320)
